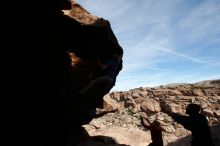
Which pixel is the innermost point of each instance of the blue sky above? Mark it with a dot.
(164, 41)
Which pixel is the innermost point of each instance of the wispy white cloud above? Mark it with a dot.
(201, 21)
(184, 56)
(155, 32)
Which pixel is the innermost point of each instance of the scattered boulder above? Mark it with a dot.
(150, 106)
(110, 104)
(217, 113)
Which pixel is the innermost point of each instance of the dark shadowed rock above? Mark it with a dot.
(55, 58)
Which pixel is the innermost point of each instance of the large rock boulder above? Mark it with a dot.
(85, 69)
(150, 106)
(56, 59)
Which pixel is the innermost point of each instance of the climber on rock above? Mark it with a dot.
(155, 130)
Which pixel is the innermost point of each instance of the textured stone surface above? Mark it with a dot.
(164, 97)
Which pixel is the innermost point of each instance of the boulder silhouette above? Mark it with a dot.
(96, 38)
(51, 56)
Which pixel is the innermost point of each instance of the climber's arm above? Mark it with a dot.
(185, 121)
(144, 125)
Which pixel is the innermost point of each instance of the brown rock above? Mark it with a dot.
(150, 106)
(129, 103)
(136, 95)
(143, 94)
(139, 100)
(160, 92)
(197, 92)
(186, 92)
(116, 96)
(172, 107)
(110, 104)
(213, 121)
(174, 92)
(203, 104)
(208, 112)
(137, 108)
(217, 113)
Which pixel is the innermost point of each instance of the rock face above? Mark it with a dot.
(96, 38)
(148, 102)
(52, 56)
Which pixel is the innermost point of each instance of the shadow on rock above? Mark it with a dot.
(100, 141)
(186, 140)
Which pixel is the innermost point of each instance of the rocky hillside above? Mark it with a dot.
(124, 126)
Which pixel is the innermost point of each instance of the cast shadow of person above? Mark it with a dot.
(195, 122)
(101, 141)
(186, 140)
(155, 131)
(98, 140)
